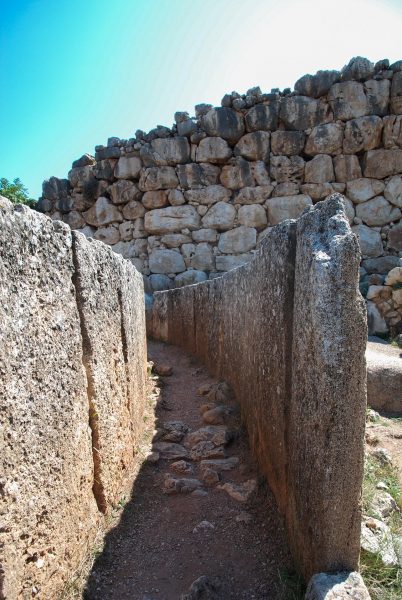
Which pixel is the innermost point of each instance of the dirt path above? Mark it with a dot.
(157, 551)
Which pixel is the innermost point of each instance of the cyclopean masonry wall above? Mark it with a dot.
(288, 331)
(73, 367)
(190, 202)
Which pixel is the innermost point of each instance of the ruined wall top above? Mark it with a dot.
(186, 203)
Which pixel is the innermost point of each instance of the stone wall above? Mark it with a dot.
(189, 202)
(73, 368)
(288, 331)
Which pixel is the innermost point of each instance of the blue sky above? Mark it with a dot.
(73, 73)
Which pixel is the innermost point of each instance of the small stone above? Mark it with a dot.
(240, 492)
(182, 466)
(218, 465)
(383, 456)
(173, 485)
(203, 526)
(200, 493)
(170, 451)
(376, 539)
(218, 435)
(202, 588)
(216, 415)
(204, 389)
(210, 477)
(244, 517)
(204, 450)
(163, 370)
(174, 431)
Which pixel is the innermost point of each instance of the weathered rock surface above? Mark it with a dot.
(240, 491)
(170, 450)
(171, 219)
(59, 297)
(317, 429)
(286, 207)
(287, 421)
(345, 585)
(384, 377)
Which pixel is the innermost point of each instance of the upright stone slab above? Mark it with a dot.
(48, 511)
(327, 416)
(291, 340)
(104, 282)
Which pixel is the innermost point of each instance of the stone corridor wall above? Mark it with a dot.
(73, 368)
(187, 203)
(288, 331)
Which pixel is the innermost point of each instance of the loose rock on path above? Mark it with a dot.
(198, 510)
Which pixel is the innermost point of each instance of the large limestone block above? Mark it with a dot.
(358, 68)
(237, 241)
(363, 133)
(381, 265)
(55, 188)
(49, 513)
(110, 300)
(393, 191)
(156, 199)
(382, 163)
(128, 167)
(254, 146)
(302, 112)
(287, 143)
(103, 279)
(102, 212)
(375, 321)
(166, 261)
(208, 195)
(108, 235)
(347, 168)
(158, 178)
(363, 189)
(237, 175)
(263, 117)
(384, 375)
(396, 94)
(392, 132)
(171, 219)
(325, 139)
(284, 168)
(193, 176)
(253, 195)
(220, 216)
(189, 278)
(317, 85)
(252, 216)
(104, 169)
(169, 151)
(203, 258)
(319, 169)
(377, 93)
(213, 150)
(337, 586)
(225, 123)
(123, 191)
(395, 237)
(377, 211)
(369, 241)
(348, 100)
(287, 207)
(328, 392)
(133, 210)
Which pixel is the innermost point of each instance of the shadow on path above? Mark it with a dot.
(154, 554)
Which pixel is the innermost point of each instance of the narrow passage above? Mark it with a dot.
(187, 517)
